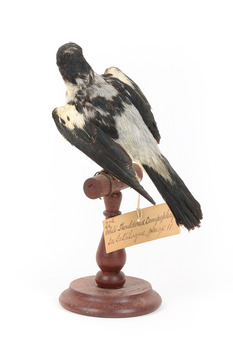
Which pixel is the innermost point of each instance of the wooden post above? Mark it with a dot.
(109, 293)
(110, 275)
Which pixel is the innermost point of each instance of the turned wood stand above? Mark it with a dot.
(110, 293)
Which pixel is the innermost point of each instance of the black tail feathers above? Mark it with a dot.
(185, 208)
(132, 181)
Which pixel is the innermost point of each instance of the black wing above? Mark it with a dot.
(90, 139)
(135, 95)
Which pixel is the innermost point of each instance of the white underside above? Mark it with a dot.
(138, 142)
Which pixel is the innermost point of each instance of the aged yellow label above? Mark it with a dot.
(126, 230)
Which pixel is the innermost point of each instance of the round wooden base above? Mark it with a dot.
(135, 298)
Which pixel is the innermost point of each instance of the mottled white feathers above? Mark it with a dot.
(100, 88)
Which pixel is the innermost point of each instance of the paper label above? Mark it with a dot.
(125, 230)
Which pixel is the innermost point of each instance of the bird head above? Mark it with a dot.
(71, 63)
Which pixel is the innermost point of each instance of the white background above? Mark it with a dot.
(180, 54)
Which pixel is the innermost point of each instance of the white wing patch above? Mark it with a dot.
(71, 117)
(117, 73)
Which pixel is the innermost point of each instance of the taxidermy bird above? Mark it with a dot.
(109, 119)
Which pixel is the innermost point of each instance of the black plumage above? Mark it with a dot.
(92, 141)
(109, 119)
